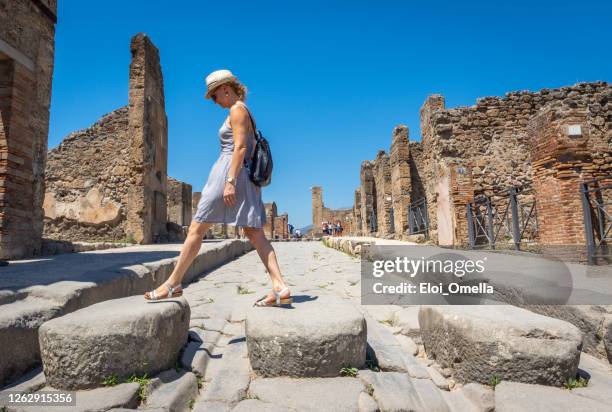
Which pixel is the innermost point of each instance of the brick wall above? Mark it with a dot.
(26, 70)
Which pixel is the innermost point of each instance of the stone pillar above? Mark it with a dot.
(400, 179)
(356, 228)
(368, 197)
(567, 148)
(27, 43)
(179, 202)
(270, 218)
(317, 210)
(461, 193)
(280, 226)
(148, 134)
(382, 178)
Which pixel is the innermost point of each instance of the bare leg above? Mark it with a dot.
(268, 257)
(189, 251)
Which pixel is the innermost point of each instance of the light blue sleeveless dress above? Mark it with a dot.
(249, 210)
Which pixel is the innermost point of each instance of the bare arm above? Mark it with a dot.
(240, 122)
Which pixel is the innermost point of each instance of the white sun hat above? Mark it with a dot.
(216, 79)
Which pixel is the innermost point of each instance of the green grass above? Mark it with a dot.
(143, 381)
(494, 381)
(573, 383)
(349, 371)
(243, 290)
(370, 389)
(388, 322)
(323, 285)
(111, 380)
(191, 403)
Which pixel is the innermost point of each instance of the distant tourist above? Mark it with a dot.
(229, 195)
(325, 228)
(339, 228)
(298, 233)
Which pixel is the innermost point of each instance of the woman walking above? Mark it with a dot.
(229, 196)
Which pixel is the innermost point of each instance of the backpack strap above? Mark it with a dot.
(254, 130)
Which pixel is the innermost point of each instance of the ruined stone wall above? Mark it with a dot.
(491, 137)
(571, 143)
(108, 182)
(367, 198)
(87, 182)
(148, 134)
(321, 214)
(179, 202)
(399, 159)
(27, 45)
(271, 213)
(382, 180)
(281, 231)
(356, 224)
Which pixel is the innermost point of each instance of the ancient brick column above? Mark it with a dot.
(179, 202)
(568, 146)
(271, 212)
(368, 198)
(400, 179)
(384, 204)
(317, 210)
(27, 41)
(148, 134)
(356, 228)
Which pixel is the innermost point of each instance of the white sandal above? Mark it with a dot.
(173, 292)
(278, 302)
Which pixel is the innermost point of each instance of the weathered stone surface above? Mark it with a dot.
(173, 391)
(81, 349)
(211, 406)
(408, 320)
(255, 405)
(26, 72)
(93, 277)
(228, 385)
(503, 341)
(196, 355)
(607, 336)
(395, 391)
(316, 394)
(515, 396)
(121, 396)
(313, 339)
(472, 397)
(389, 354)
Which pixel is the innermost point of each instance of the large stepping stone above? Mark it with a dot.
(315, 338)
(116, 337)
(514, 396)
(501, 341)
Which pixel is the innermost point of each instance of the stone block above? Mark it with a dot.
(309, 395)
(503, 341)
(120, 336)
(515, 396)
(313, 339)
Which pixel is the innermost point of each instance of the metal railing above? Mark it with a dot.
(596, 202)
(507, 218)
(418, 219)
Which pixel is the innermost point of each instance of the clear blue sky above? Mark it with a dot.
(328, 80)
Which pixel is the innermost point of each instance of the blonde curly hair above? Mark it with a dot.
(239, 88)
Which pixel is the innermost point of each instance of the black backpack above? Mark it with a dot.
(260, 169)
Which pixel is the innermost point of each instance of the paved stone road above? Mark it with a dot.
(220, 300)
